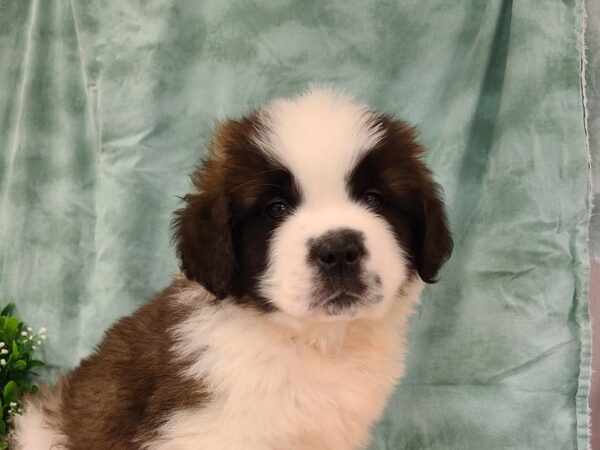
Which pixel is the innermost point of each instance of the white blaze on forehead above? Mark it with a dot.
(319, 137)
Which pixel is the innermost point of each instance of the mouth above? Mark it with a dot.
(341, 302)
(347, 298)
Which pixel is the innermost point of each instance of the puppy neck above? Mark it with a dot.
(326, 337)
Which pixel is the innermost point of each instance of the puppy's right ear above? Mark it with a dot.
(202, 234)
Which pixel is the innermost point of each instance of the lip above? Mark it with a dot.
(342, 302)
(340, 294)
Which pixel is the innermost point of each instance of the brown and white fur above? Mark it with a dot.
(303, 249)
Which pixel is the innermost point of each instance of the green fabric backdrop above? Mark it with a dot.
(105, 107)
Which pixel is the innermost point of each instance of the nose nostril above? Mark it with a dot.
(351, 256)
(337, 252)
(327, 258)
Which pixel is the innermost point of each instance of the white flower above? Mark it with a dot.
(3, 351)
(23, 333)
(33, 347)
(29, 329)
(2, 344)
(12, 404)
(31, 338)
(2, 362)
(38, 342)
(42, 331)
(43, 336)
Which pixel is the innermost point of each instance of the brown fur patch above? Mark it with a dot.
(118, 397)
(222, 233)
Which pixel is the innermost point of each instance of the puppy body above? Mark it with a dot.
(223, 378)
(303, 250)
(275, 387)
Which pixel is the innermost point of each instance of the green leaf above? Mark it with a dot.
(8, 309)
(35, 363)
(25, 385)
(11, 392)
(11, 327)
(3, 430)
(20, 365)
(15, 350)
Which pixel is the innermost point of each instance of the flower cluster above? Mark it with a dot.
(29, 339)
(18, 343)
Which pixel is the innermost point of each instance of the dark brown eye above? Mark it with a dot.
(277, 209)
(373, 199)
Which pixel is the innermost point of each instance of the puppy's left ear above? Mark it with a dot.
(431, 243)
(202, 233)
(434, 241)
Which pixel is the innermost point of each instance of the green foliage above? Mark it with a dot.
(18, 343)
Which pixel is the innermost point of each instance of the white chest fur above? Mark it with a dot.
(275, 388)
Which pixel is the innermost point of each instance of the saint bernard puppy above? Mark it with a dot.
(304, 246)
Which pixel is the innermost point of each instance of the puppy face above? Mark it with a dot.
(314, 207)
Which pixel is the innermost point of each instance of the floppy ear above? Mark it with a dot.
(203, 238)
(434, 242)
(431, 242)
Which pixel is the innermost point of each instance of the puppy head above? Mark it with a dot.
(314, 207)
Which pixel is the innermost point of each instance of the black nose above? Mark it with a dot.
(338, 250)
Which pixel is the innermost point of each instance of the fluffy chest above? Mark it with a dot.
(269, 390)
